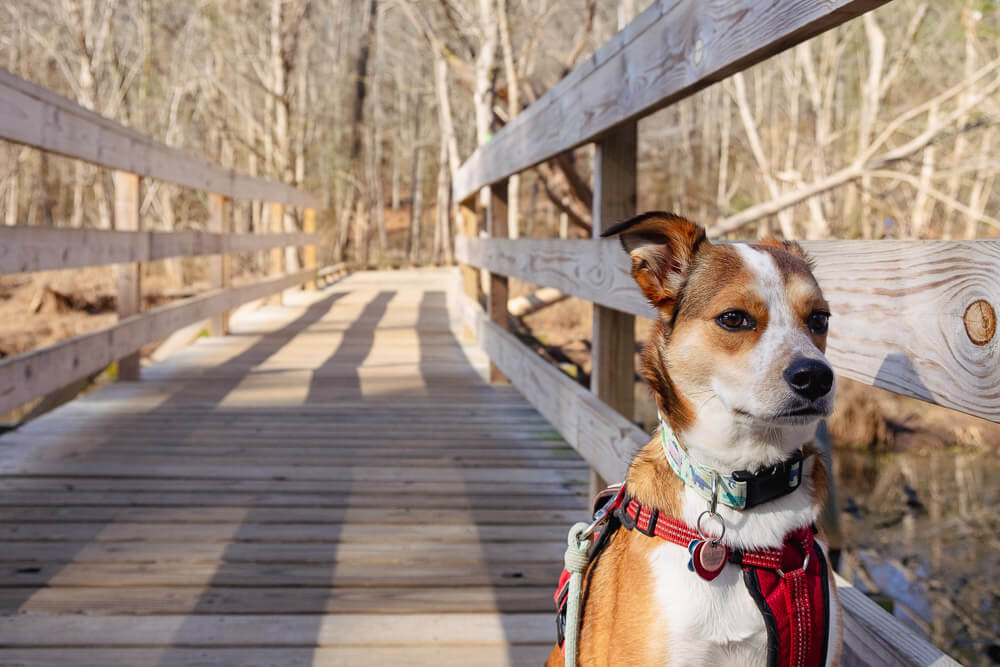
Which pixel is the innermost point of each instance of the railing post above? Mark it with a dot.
(497, 225)
(220, 222)
(309, 252)
(613, 337)
(470, 274)
(127, 276)
(277, 224)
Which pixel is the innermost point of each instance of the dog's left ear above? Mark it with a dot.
(662, 246)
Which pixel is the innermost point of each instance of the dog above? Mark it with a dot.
(736, 364)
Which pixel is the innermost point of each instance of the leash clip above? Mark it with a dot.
(713, 504)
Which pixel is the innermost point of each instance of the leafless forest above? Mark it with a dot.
(883, 127)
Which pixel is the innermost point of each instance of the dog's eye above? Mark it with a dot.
(818, 321)
(736, 320)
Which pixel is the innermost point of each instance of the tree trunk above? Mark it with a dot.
(416, 196)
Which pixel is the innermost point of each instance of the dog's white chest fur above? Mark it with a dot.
(717, 622)
(706, 623)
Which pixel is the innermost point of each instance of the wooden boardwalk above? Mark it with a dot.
(334, 483)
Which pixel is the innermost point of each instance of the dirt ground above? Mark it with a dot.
(864, 417)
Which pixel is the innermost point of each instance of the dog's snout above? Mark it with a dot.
(810, 378)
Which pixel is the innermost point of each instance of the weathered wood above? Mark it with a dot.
(613, 332)
(127, 276)
(220, 221)
(277, 261)
(37, 117)
(604, 438)
(309, 251)
(876, 639)
(497, 304)
(36, 373)
(898, 306)
(669, 52)
(26, 249)
(335, 630)
(412, 656)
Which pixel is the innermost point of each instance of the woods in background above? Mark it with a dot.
(883, 127)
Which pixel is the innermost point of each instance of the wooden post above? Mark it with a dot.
(221, 222)
(470, 274)
(309, 252)
(497, 225)
(613, 338)
(277, 224)
(127, 276)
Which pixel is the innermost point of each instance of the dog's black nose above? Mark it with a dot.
(809, 377)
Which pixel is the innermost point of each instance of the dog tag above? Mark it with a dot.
(708, 559)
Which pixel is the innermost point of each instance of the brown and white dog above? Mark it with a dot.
(735, 361)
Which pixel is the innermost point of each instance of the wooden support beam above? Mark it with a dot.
(497, 225)
(613, 336)
(220, 221)
(309, 252)
(277, 224)
(127, 276)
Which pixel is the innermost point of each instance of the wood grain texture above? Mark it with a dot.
(27, 249)
(873, 638)
(36, 373)
(34, 116)
(220, 222)
(670, 51)
(336, 463)
(897, 306)
(127, 276)
(612, 378)
(498, 294)
(604, 438)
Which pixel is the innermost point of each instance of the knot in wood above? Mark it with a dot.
(980, 322)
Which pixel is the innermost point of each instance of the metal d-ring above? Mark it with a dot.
(711, 515)
(715, 493)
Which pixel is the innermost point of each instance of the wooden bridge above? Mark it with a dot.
(343, 476)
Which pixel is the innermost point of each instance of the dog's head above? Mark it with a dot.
(736, 356)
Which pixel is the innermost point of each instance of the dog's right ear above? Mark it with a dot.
(662, 246)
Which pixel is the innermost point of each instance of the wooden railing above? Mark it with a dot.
(37, 117)
(916, 318)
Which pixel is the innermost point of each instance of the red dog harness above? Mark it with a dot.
(789, 585)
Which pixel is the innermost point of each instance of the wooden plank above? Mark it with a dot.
(26, 249)
(412, 656)
(160, 601)
(220, 221)
(309, 251)
(37, 117)
(899, 307)
(874, 638)
(670, 51)
(36, 373)
(285, 533)
(277, 224)
(604, 438)
(498, 295)
(613, 331)
(127, 276)
(270, 630)
(389, 554)
(270, 575)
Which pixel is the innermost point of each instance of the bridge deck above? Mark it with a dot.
(333, 483)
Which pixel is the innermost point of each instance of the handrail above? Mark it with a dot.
(28, 249)
(34, 116)
(913, 338)
(670, 51)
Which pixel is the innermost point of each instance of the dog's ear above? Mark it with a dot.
(790, 247)
(662, 246)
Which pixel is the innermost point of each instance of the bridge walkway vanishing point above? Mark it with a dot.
(333, 483)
